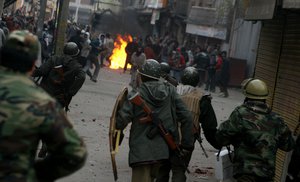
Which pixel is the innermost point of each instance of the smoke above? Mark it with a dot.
(126, 22)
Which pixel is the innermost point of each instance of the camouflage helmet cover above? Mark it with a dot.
(190, 76)
(71, 49)
(23, 40)
(255, 89)
(151, 68)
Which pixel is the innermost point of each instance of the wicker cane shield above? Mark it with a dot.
(114, 134)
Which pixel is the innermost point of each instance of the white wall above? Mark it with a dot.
(245, 40)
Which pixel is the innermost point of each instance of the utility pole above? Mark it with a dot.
(1, 7)
(62, 18)
(41, 18)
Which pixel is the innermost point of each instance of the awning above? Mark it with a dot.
(260, 10)
(156, 4)
(207, 31)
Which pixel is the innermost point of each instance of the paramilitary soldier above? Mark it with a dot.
(148, 148)
(28, 114)
(256, 134)
(63, 76)
(202, 111)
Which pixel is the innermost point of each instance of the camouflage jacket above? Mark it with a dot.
(256, 134)
(162, 98)
(28, 114)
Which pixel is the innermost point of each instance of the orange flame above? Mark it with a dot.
(118, 57)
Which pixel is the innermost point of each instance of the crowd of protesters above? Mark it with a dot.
(95, 50)
(211, 63)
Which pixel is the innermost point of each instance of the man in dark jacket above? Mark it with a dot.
(201, 62)
(63, 76)
(130, 49)
(224, 76)
(93, 59)
(149, 149)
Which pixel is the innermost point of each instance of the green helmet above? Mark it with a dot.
(24, 41)
(255, 89)
(190, 76)
(71, 49)
(151, 68)
(165, 68)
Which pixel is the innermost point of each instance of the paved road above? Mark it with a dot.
(90, 112)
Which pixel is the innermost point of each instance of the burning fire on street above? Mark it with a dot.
(118, 56)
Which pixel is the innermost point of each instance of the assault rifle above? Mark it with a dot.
(152, 117)
(171, 80)
(199, 139)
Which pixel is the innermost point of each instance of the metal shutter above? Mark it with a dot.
(269, 53)
(286, 99)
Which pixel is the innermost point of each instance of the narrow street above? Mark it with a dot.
(91, 110)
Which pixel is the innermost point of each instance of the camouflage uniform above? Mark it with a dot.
(28, 114)
(256, 133)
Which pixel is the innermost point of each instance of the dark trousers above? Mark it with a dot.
(294, 166)
(211, 80)
(201, 73)
(177, 166)
(223, 88)
(127, 61)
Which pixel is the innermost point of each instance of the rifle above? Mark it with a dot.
(171, 80)
(152, 117)
(199, 139)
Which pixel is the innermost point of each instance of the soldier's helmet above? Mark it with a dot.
(255, 89)
(23, 41)
(71, 49)
(151, 69)
(190, 76)
(165, 68)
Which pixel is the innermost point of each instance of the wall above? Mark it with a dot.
(245, 37)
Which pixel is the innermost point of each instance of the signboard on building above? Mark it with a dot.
(260, 10)
(156, 4)
(207, 31)
(292, 4)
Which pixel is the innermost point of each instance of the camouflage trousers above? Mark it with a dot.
(251, 178)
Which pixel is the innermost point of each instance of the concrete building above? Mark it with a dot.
(81, 11)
